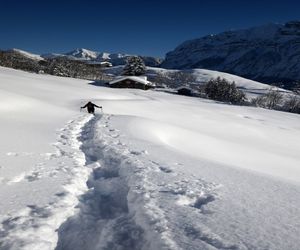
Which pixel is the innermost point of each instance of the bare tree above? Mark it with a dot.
(181, 78)
(296, 89)
(161, 79)
(271, 100)
(292, 104)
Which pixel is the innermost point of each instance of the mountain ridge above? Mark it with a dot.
(268, 53)
(94, 56)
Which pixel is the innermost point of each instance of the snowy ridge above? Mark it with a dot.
(83, 54)
(29, 55)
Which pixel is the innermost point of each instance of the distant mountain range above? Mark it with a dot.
(269, 53)
(93, 56)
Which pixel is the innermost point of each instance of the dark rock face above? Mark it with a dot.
(269, 53)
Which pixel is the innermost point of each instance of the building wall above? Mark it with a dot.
(129, 84)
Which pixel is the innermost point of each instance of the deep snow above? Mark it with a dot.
(155, 171)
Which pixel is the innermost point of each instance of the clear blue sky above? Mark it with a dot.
(146, 27)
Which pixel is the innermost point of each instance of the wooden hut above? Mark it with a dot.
(134, 82)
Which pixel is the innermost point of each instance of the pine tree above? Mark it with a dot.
(222, 90)
(135, 66)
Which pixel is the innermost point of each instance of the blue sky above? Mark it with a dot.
(146, 27)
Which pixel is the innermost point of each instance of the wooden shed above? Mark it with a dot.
(134, 82)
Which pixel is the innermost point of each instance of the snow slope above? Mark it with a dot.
(251, 88)
(29, 55)
(155, 171)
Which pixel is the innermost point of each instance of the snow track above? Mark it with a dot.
(162, 172)
(113, 198)
(110, 212)
(135, 203)
(104, 220)
(35, 226)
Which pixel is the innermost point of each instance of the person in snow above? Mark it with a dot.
(91, 107)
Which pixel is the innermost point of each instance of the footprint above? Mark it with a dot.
(133, 152)
(33, 177)
(63, 137)
(115, 135)
(203, 200)
(165, 169)
(61, 194)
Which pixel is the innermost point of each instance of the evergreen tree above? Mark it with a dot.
(135, 66)
(221, 90)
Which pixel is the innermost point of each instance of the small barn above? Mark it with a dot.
(133, 82)
(106, 64)
(185, 91)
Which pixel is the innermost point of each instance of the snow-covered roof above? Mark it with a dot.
(140, 79)
(184, 87)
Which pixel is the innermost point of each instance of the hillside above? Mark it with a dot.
(251, 88)
(154, 171)
(269, 53)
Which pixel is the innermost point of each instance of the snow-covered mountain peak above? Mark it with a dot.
(83, 54)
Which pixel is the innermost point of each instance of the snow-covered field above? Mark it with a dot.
(251, 88)
(154, 171)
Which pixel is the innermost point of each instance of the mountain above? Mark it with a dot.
(83, 54)
(93, 56)
(268, 53)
